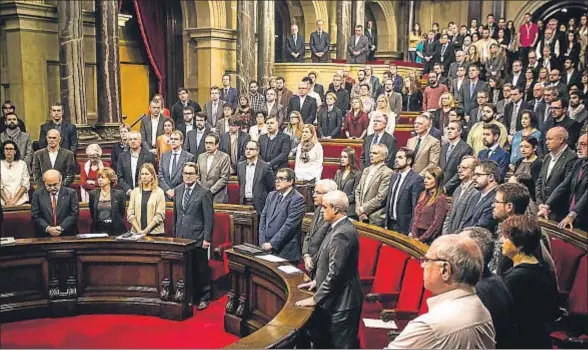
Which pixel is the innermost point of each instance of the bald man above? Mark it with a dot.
(54, 208)
(294, 46)
(54, 157)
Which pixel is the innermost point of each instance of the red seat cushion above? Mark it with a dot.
(566, 258)
(411, 292)
(578, 299)
(331, 150)
(368, 255)
(222, 229)
(402, 136)
(85, 221)
(233, 192)
(168, 224)
(329, 170)
(18, 225)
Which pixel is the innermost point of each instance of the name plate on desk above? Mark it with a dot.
(248, 249)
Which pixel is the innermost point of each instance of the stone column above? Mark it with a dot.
(267, 41)
(245, 44)
(71, 66)
(108, 69)
(344, 27)
(359, 13)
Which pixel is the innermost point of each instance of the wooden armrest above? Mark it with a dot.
(382, 297)
(388, 315)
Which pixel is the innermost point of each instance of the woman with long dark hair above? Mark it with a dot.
(347, 177)
(14, 176)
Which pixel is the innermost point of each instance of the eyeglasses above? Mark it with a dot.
(281, 179)
(189, 174)
(424, 260)
(481, 174)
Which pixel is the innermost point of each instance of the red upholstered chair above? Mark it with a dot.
(168, 224)
(85, 221)
(566, 258)
(329, 170)
(409, 299)
(368, 255)
(331, 150)
(18, 224)
(402, 136)
(218, 263)
(233, 192)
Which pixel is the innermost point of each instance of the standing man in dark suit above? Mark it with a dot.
(189, 123)
(559, 117)
(493, 151)
(129, 163)
(451, 154)
(379, 136)
(68, 131)
(480, 207)
(256, 178)
(462, 195)
(281, 219)
(556, 165)
(517, 78)
(445, 55)
(358, 47)
(294, 46)
(54, 208)
(183, 101)
(403, 193)
(171, 164)
(370, 33)
(338, 297)
(228, 93)
(342, 94)
(194, 219)
(430, 49)
(469, 91)
(319, 44)
(233, 143)
(574, 187)
(513, 111)
(303, 103)
(152, 126)
(9, 108)
(274, 147)
(54, 157)
(195, 139)
(214, 107)
(318, 226)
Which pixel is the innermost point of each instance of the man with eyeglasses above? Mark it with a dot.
(462, 194)
(233, 143)
(130, 162)
(559, 117)
(554, 81)
(55, 208)
(452, 152)
(256, 178)
(358, 46)
(194, 219)
(479, 211)
(9, 108)
(189, 123)
(303, 103)
(456, 318)
(171, 164)
(281, 219)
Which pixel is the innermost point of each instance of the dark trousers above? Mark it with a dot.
(335, 330)
(392, 225)
(201, 275)
(324, 59)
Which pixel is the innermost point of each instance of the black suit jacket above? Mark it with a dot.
(263, 183)
(545, 186)
(196, 221)
(430, 49)
(408, 196)
(117, 150)
(319, 44)
(296, 47)
(307, 110)
(182, 128)
(448, 58)
(118, 201)
(575, 78)
(225, 146)
(64, 163)
(574, 186)
(276, 156)
(69, 136)
(449, 164)
(348, 186)
(508, 109)
(316, 233)
(330, 122)
(337, 275)
(520, 82)
(177, 111)
(68, 211)
(191, 144)
(480, 214)
(146, 130)
(386, 139)
(123, 168)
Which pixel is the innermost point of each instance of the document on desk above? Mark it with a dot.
(378, 323)
(289, 269)
(272, 258)
(6, 241)
(92, 235)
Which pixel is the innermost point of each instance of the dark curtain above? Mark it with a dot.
(151, 21)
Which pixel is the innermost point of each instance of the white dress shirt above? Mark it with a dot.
(249, 175)
(53, 157)
(395, 199)
(134, 161)
(154, 124)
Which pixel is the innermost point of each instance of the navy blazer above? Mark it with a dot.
(169, 181)
(281, 222)
(500, 156)
(577, 186)
(196, 220)
(297, 47)
(230, 97)
(408, 196)
(480, 214)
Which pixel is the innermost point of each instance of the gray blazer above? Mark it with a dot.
(217, 179)
(395, 102)
(458, 209)
(319, 44)
(371, 197)
(25, 146)
(363, 46)
(146, 130)
(219, 111)
(196, 220)
(316, 233)
(169, 181)
(64, 163)
(337, 275)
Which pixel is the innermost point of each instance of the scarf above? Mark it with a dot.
(13, 134)
(305, 147)
(573, 112)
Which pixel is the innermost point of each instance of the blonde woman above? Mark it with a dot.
(89, 171)
(308, 166)
(294, 130)
(441, 115)
(383, 106)
(146, 211)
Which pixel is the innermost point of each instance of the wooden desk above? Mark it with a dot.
(260, 305)
(54, 277)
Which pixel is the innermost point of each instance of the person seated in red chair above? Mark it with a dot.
(89, 171)
(55, 208)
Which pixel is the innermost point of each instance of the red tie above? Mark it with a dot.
(54, 207)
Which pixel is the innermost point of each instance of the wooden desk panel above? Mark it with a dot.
(66, 276)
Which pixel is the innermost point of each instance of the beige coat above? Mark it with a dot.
(370, 198)
(155, 208)
(217, 178)
(428, 153)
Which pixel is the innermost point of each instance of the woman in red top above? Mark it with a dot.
(356, 121)
(431, 209)
(89, 171)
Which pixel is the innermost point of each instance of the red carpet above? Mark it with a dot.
(204, 330)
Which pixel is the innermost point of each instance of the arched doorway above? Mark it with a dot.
(174, 50)
(282, 29)
(562, 10)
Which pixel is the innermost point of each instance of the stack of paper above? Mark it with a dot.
(378, 323)
(289, 269)
(6, 241)
(130, 236)
(92, 235)
(272, 258)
